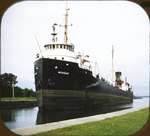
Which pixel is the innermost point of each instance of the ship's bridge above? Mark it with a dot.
(60, 52)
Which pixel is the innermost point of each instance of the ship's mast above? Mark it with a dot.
(66, 24)
(113, 79)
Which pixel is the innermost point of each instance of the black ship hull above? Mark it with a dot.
(63, 85)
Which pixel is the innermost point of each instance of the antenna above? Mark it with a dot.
(38, 45)
(113, 71)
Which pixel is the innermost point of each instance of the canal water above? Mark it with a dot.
(28, 117)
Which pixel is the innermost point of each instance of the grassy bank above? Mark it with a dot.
(4, 99)
(117, 126)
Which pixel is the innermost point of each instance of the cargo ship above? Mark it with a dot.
(67, 80)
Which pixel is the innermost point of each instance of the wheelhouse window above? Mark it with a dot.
(61, 46)
(53, 46)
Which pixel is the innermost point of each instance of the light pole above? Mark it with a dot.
(13, 91)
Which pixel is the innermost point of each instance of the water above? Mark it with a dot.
(28, 117)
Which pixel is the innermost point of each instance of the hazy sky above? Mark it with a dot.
(96, 27)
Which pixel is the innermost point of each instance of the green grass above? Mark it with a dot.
(117, 126)
(19, 99)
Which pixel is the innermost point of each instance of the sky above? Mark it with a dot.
(97, 25)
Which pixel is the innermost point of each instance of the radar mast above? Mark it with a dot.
(54, 34)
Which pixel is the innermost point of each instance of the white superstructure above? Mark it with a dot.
(65, 51)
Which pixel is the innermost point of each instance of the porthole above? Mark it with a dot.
(56, 67)
(37, 55)
(36, 68)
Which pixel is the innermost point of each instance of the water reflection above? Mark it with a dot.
(18, 118)
(27, 117)
(52, 116)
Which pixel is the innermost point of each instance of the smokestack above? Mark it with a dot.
(118, 81)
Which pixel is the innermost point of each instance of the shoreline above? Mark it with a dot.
(17, 102)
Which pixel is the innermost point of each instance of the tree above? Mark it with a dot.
(7, 80)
